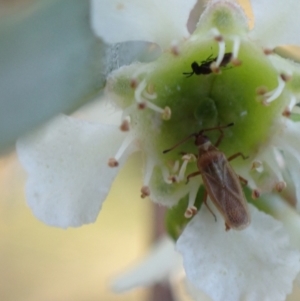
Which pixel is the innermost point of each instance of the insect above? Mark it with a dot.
(204, 67)
(221, 183)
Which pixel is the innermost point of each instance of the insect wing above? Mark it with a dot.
(225, 190)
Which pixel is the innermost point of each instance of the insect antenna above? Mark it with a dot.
(217, 127)
(197, 134)
(179, 143)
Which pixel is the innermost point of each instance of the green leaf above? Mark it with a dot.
(50, 62)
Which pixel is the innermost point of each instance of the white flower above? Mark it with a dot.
(186, 89)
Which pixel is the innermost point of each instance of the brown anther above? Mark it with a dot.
(142, 105)
(261, 90)
(172, 179)
(285, 77)
(236, 62)
(175, 50)
(268, 51)
(166, 115)
(279, 186)
(286, 113)
(190, 212)
(255, 194)
(219, 38)
(124, 127)
(112, 162)
(256, 165)
(145, 191)
(134, 83)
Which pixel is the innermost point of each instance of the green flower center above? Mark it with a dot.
(203, 100)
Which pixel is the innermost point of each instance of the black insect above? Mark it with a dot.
(204, 67)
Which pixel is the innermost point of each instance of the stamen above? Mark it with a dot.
(145, 191)
(285, 77)
(149, 96)
(174, 48)
(125, 125)
(268, 51)
(288, 110)
(186, 159)
(258, 166)
(193, 189)
(270, 159)
(166, 175)
(134, 83)
(279, 186)
(114, 162)
(215, 66)
(235, 51)
(261, 90)
(138, 92)
(175, 166)
(141, 96)
(255, 194)
(272, 95)
(190, 211)
(150, 89)
(165, 113)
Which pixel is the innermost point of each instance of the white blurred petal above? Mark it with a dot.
(155, 21)
(69, 178)
(253, 264)
(158, 266)
(276, 22)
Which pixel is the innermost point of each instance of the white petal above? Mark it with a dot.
(276, 22)
(158, 266)
(68, 173)
(253, 264)
(155, 21)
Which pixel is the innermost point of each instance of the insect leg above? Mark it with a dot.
(208, 60)
(205, 202)
(220, 138)
(239, 154)
(188, 74)
(243, 180)
(191, 175)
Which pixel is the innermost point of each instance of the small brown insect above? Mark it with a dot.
(221, 183)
